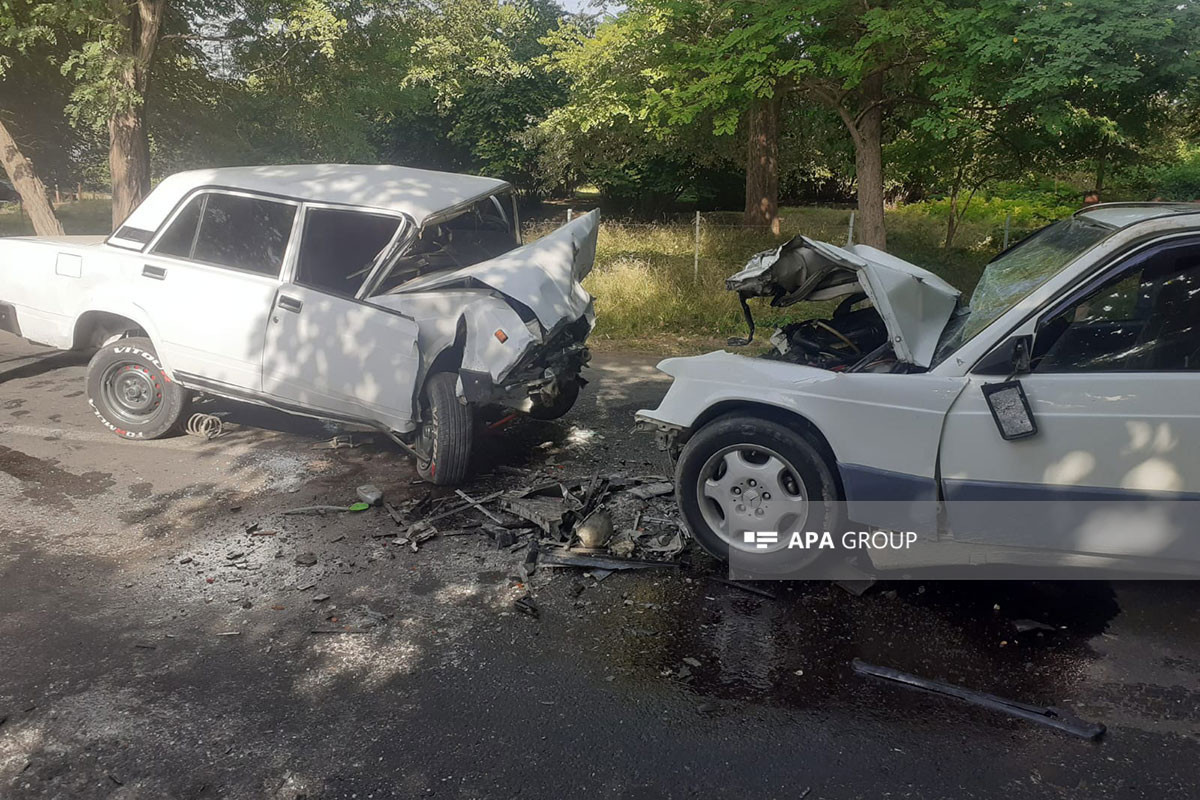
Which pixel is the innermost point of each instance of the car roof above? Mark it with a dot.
(420, 193)
(1122, 215)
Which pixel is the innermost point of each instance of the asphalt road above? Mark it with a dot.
(154, 643)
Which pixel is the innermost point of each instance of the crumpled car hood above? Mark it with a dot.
(544, 275)
(915, 304)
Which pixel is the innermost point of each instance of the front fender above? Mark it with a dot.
(881, 421)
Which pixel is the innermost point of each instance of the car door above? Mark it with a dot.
(208, 282)
(328, 349)
(1112, 387)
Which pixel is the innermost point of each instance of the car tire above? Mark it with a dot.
(563, 402)
(446, 435)
(735, 451)
(130, 392)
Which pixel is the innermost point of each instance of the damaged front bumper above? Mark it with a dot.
(667, 437)
(539, 377)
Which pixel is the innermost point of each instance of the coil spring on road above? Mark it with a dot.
(206, 425)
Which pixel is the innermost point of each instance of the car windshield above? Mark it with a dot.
(1016, 273)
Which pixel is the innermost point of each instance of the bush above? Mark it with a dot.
(1180, 181)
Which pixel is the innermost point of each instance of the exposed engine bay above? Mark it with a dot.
(838, 343)
(861, 334)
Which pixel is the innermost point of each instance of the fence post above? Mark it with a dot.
(568, 215)
(1007, 222)
(696, 253)
(850, 231)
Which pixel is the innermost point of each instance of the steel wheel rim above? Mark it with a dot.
(131, 392)
(744, 488)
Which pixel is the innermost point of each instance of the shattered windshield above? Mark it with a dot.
(1014, 275)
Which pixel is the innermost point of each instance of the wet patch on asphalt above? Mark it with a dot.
(43, 480)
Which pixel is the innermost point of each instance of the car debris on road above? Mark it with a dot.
(1051, 716)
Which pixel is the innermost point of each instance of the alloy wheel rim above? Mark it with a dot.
(744, 488)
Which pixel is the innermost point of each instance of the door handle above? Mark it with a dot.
(157, 273)
(290, 304)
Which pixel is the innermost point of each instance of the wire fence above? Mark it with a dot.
(715, 220)
(700, 222)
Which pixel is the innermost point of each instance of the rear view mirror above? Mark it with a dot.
(1010, 409)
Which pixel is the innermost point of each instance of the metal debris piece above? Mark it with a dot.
(320, 598)
(478, 504)
(526, 605)
(461, 507)
(545, 512)
(551, 558)
(1050, 716)
(370, 494)
(648, 490)
(395, 514)
(416, 534)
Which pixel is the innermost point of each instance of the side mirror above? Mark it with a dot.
(1010, 357)
(1010, 409)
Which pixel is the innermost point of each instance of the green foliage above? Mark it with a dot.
(644, 281)
(1179, 180)
(478, 63)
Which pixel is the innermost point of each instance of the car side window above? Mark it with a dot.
(179, 239)
(247, 233)
(339, 246)
(1146, 319)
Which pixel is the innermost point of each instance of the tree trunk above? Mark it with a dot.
(762, 165)
(128, 162)
(868, 162)
(29, 186)
(129, 145)
(951, 219)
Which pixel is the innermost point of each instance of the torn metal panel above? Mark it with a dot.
(543, 275)
(545, 512)
(914, 304)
